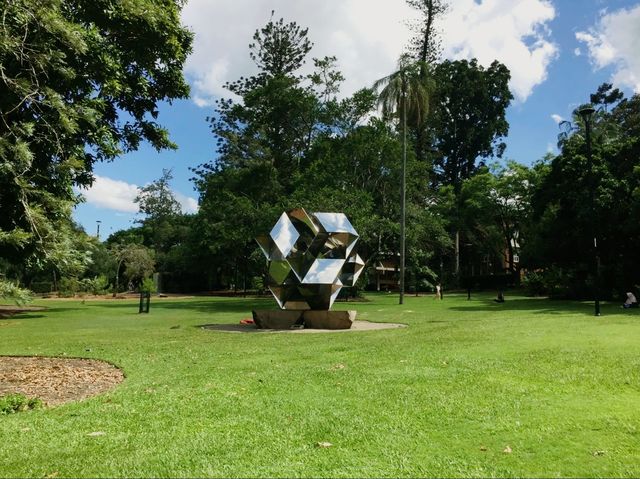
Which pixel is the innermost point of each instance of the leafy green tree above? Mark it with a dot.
(263, 141)
(405, 92)
(277, 118)
(156, 200)
(564, 221)
(139, 264)
(426, 44)
(137, 261)
(467, 124)
(496, 210)
(468, 118)
(161, 222)
(289, 143)
(80, 83)
(9, 291)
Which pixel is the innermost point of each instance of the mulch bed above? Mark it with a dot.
(57, 380)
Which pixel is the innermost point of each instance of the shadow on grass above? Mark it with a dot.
(244, 306)
(538, 306)
(223, 305)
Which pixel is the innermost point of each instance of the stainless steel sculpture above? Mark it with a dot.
(311, 257)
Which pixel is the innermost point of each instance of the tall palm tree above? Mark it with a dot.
(405, 94)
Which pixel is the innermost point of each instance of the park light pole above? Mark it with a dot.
(586, 113)
(98, 229)
(403, 187)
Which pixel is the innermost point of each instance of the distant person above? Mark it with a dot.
(438, 291)
(630, 302)
(500, 298)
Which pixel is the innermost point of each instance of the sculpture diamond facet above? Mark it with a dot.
(311, 257)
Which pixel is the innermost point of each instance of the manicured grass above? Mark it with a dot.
(443, 397)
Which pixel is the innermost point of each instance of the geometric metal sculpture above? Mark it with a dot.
(311, 257)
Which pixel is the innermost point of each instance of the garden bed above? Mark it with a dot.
(57, 380)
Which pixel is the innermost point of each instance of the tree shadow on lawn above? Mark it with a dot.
(538, 306)
(232, 305)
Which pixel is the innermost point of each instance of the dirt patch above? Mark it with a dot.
(250, 328)
(57, 380)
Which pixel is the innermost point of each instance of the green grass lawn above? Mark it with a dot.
(443, 397)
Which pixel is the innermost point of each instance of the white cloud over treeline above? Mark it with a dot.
(368, 36)
(118, 195)
(615, 42)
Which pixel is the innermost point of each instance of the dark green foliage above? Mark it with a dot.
(557, 283)
(80, 83)
(279, 49)
(156, 200)
(426, 44)
(468, 119)
(291, 143)
(564, 221)
(11, 292)
(148, 286)
(495, 213)
(409, 87)
(162, 222)
(41, 287)
(14, 403)
(138, 262)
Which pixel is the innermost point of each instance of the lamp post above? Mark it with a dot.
(586, 113)
(98, 229)
(403, 187)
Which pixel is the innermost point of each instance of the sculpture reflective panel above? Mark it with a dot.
(311, 257)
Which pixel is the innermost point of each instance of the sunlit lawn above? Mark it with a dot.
(446, 396)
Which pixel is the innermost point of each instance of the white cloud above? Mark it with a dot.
(188, 204)
(577, 52)
(615, 42)
(514, 32)
(348, 29)
(119, 196)
(112, 195)
(557, 118)
(368, 36)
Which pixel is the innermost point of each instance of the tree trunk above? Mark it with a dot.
(457, 254)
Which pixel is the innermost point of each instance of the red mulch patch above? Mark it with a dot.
(57, 380)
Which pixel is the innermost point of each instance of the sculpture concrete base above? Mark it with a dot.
(312, 319)
(328, 319)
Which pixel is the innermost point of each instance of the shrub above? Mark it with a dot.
(148, 286)
(13, 292)
(18, 402)
(558, 283)
(97, 285)
(68, 287)
(533, 283)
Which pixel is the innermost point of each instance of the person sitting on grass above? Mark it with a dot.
(630, 302)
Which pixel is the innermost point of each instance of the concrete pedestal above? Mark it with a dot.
(276, 318)
(328, 319)
(286, 318)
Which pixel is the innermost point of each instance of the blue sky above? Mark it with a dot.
(558, 51)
